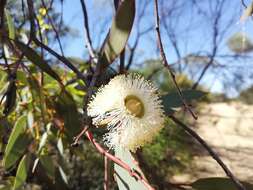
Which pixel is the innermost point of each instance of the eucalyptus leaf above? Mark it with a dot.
(17, 143)
(119, 32)
(36, 59)
(217, 183)
(67, 110)
(22, 172)
(60, 146)
(63, 175)
(124, 180)
(48, 165)
(10, 24)
(173, 100)
(10, 94)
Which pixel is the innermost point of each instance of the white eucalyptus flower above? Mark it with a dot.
(130, 107)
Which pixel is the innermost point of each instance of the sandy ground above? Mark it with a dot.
(228, 129)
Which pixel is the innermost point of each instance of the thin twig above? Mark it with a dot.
(87, 32)
(2, 6)
(77, 138)
(106, 173)
(243, 4)
(116, 160)
(53, 27)
(211, 152)
(165, 62)
(51, 51)
(62, 59)
(31, 18)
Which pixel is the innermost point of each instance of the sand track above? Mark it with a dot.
(228, 129)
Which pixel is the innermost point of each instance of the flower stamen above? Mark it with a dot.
(134, 105)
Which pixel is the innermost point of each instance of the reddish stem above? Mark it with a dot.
(106, 176)
(117, 161)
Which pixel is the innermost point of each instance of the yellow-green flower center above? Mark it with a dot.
(134, 105)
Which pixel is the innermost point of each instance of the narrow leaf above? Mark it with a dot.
(10, 98)
(10, 24)
(48, 165)
(36, 59)
(60, 146)
(124, 180)
(173, 100)
(17, 143)
(217, 184)
(22, 172)
(67, 111)
(63, 175)
(119, 32)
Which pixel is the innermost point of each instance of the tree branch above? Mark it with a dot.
(87, 32)
(106, 173)
(116, 160)
(165, 62)
(53, 27)
(2, 6)
(210, 151)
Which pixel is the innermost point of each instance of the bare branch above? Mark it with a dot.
(2, 5)
(165, 62)
(243, 4)
(210, 151)
(62, 59)
(87, 32)
(53, 27)
(116, 160)
(106, 173)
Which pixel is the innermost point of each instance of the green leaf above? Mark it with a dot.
(43, 141)
(17, 143)
(216, 183)
(60, 146)
(21, 78)
(6, 187)
(48, 165)
(66, 109)
(22, 172)
(63, 175)
(10, 24)
(173, 100)
(119, 32)
(124, 180)
(10, 98)
(36, 59)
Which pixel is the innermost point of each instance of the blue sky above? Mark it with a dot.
(197, 39)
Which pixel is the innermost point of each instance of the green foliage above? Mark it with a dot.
(48, 104)
(66, 110)
(123, 178)
(22, 172)
(119, 32)
(217, 184)
(154, 70)
(17, 143)
(10, 24)
(10, 96)
(246, 96)
(37, 60)
(173, 100)
(171, 148)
